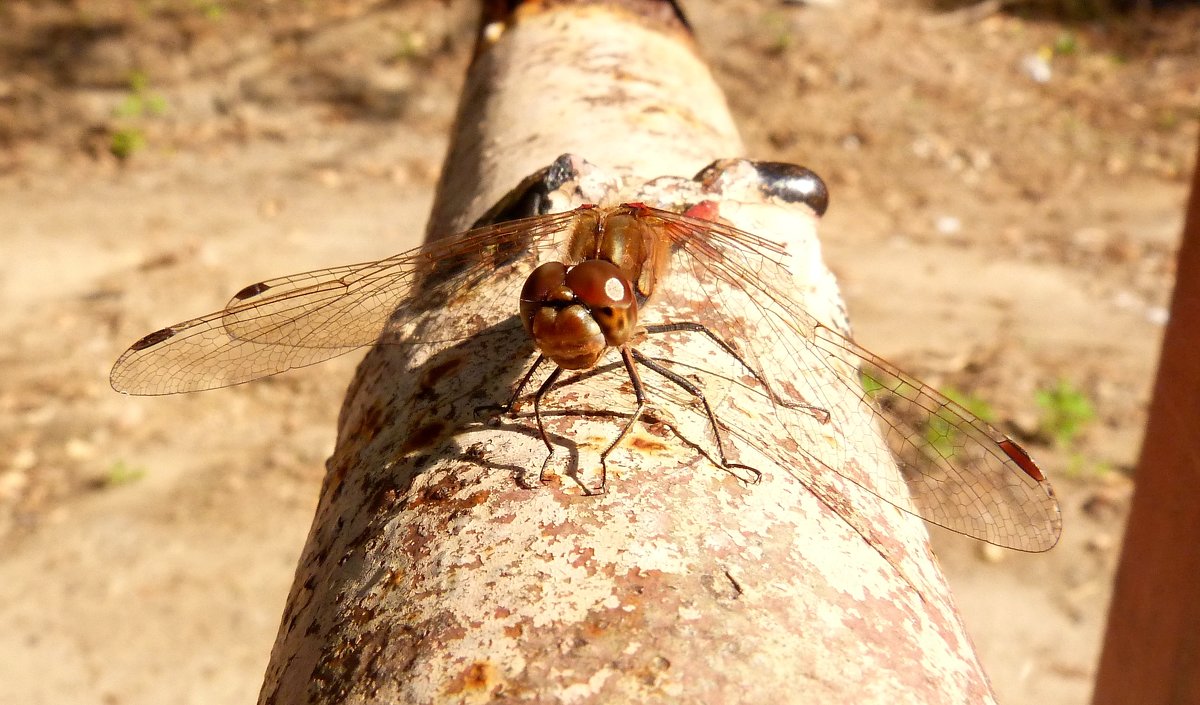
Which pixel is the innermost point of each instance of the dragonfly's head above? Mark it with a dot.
(576, 313)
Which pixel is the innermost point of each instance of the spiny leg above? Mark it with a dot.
(627, 355)
(537, 414)
(712, 418)
(818, 413)
(507, 407)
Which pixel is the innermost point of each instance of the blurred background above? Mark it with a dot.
(1007, 186)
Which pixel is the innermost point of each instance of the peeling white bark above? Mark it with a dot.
(430, 575)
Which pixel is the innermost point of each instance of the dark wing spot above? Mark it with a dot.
(252, 290)
(153, 339)
(1022, 459)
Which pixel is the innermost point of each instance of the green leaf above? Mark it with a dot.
(1065, 412)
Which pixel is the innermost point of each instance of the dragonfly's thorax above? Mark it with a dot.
(623, 236)
(575, 313)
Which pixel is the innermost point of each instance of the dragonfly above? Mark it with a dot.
(587, 279)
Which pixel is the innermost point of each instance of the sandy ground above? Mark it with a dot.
(991, 233)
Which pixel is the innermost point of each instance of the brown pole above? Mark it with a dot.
(430, 575)
(1151, 651)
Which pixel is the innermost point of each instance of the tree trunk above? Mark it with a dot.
(1152, 649)
(432, 574)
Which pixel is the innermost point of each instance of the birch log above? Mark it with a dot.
(431, 575)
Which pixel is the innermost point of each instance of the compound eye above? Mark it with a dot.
(543, 282)
(599, 285)
(608, 295)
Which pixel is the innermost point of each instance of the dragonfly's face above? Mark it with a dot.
(576, 313)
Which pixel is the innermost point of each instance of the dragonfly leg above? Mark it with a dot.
(712, 418)
(820, 414)
(537, 414)
(639, 392)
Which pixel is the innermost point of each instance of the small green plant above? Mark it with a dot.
(1167, 119)
(138, 105)
(870, 385)
(410, 44)
(211, 10)
(122, 473)
(1082, 468)
(1065, 411)
(971, 403)
(141, 101)
(778, 30)
(941, 428)
(1066, 44)
(125, 142)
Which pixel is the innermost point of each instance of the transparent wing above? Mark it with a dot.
(302, 319)
(957, 470)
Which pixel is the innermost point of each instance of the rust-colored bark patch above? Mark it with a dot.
(584, 558)
(595, 627)
(385, 499)
(360, 615)
(444, 494)
(335, 475)
(561, 529)
(373, 419)
(479, 677)
(450, 633)
(477, 498)
(653, 671)
(649, 445)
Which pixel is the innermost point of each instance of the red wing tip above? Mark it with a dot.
(1022, 459)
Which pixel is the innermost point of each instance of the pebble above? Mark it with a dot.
(1037, 68)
